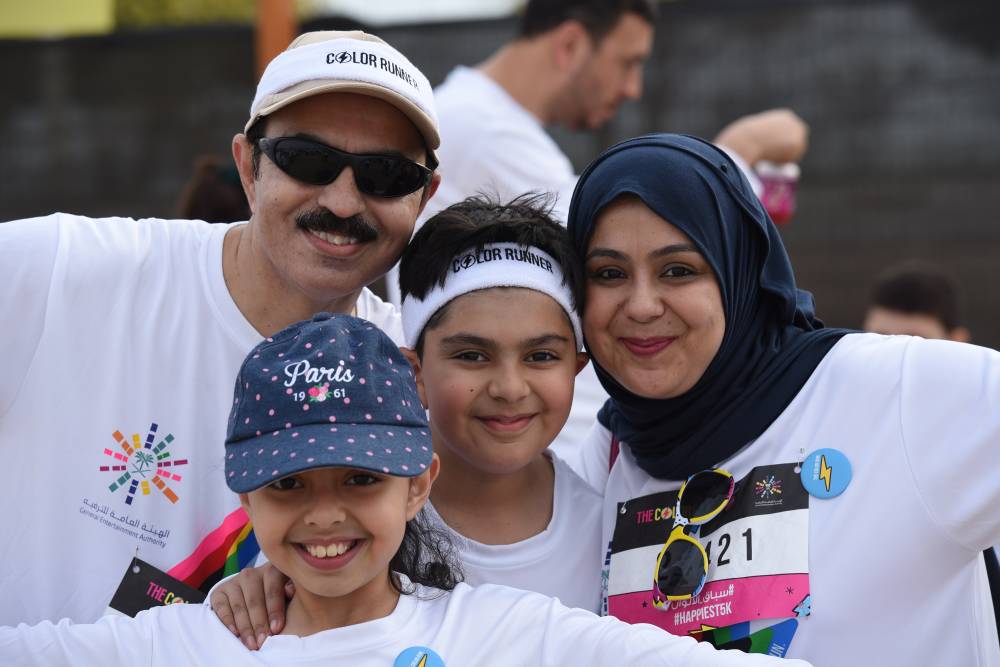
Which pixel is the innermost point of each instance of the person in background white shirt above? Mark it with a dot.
(572, 64)
(334, 493)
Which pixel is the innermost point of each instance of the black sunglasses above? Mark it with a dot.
(318, 164)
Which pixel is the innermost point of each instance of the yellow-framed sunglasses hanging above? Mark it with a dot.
(682, 565)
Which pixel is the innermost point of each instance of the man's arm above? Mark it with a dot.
(775, 135)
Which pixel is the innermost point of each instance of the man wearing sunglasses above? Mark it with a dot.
(335, 171)
(122, 337)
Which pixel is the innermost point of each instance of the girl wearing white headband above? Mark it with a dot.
(489, 312)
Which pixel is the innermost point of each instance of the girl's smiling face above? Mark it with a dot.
(497, 375)
(653, 317)
(334, 531)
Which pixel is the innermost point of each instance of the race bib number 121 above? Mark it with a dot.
(758, 553)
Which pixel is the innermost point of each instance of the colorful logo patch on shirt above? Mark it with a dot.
(140, 465)
(768, 488)
(418, 656)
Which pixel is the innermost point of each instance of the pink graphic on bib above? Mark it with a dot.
(720, 603)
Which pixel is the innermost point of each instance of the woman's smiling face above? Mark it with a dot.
(653, 317)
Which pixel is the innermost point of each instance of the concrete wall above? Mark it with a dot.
(903, 99)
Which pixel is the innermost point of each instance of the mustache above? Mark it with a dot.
(325, 221)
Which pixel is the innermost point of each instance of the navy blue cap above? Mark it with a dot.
(330, 391)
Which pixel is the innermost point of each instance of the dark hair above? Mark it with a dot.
(599, 17)
(214, 192)
(474, 223)
(918, 288)
(426, 556)
(254, 135)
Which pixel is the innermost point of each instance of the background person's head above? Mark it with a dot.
(318, 227)
(918, 299)
(491, 317)
(329, 449)
(213, 193)
(599, 47)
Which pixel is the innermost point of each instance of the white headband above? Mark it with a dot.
(497, 265)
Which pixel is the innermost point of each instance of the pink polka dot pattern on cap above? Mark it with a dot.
(311, 391)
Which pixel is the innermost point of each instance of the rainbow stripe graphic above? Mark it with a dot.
(225, 551)
(139, 461)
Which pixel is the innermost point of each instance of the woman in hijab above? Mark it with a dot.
(865, 466)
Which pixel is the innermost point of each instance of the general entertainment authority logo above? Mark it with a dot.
(767, 491)
(141, 466)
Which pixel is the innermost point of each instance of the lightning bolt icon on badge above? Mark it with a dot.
(825, 471)
(817, 473)
(418, 656)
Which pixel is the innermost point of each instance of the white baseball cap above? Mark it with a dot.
(347, 62)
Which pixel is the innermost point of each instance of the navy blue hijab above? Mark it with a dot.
(772, 341)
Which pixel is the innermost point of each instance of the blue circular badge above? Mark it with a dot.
(418, 656)
(826, 473)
